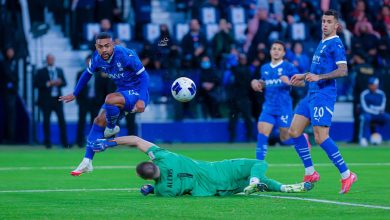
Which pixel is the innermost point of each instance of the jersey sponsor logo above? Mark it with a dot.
(266, 72)
(316, 59)
(170, 178)
(116, 75)
(270, 82)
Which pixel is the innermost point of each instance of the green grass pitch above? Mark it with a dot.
(35, 184)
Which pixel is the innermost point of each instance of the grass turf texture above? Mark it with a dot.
(49, 169)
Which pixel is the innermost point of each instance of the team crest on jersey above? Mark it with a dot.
(280, 71)
(119, 66)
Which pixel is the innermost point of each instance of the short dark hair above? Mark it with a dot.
(332, 12)
(279, 42)
(103, 35)
(146, 170)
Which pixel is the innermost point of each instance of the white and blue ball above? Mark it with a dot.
(183, 89)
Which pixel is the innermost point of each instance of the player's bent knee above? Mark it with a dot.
(293, 133)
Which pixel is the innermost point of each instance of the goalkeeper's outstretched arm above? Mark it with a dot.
(135, 141)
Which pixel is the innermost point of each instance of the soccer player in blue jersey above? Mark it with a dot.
(124, 67)
(277, 108)
(329, 62)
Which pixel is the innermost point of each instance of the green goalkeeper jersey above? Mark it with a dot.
(180, 175)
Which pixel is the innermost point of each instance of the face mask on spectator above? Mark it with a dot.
(205, 64)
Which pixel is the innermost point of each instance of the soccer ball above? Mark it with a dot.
(183, 89)
(376, 138)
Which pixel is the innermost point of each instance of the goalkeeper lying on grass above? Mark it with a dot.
(177, 175)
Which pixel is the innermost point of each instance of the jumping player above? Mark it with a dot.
(124, 67)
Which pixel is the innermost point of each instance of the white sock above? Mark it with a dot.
(86, 160)
(309, 170)
(254, 180)
(345, 174)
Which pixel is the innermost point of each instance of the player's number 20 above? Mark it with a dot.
(318, 112)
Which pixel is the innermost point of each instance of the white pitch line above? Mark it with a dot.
(259, 195)
(63, 168)
(133, 167)
(65, 190)
(326, 201)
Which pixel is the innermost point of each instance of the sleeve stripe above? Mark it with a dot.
(341, 61)
(89, 71)
(140, 71)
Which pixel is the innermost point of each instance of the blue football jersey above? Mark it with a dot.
(124, 67)
(277, 94)
(328, 54)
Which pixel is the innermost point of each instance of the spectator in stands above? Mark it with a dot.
(259, 30)
(256, 98)
(363, 72)
(222, 42)
(238, 87)
(88, 104)
(300, 60)
(49, 80)
(273, 7)
(82, 13)
(365, 40)
(358, 14)
(194, 46)
(10, 81)
(105, 26)
(383, 20)
(215, 4)
(164, 45)
(142, 16)
(373, 102)
(209, 91)
(107, 9)
(147, 56)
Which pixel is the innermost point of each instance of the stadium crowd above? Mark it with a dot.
(223, 66)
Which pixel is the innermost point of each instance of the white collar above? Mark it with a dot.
(109, 59)
(328, 38)
(277, 64)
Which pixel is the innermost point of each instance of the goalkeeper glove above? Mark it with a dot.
(147, 189)
(102, 144)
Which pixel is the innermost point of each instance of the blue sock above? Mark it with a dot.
(289, 141)
(262, 145)
(112, 115)
(303, 150)
(95, 133)
(334, 155)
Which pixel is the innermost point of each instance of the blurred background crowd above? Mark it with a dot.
(220, 44)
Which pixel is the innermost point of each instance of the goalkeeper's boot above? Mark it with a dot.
(307, 140)
(110, 132)
(315, 177)
(255, 187)
(347, 183)
(299, 187)
(84, 167)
